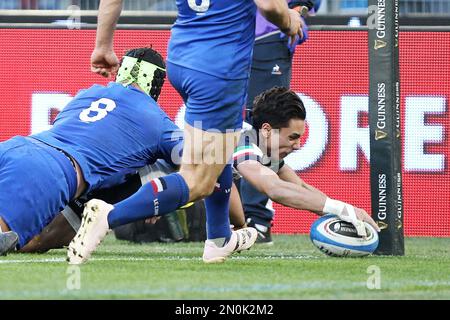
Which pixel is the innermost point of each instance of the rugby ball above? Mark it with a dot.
(338, 238)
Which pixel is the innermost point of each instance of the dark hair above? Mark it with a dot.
(152, 56)
(277, 106)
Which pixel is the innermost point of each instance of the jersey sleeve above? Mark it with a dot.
(246, 150)
(280, 165)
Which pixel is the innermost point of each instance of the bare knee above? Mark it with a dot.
(200, 184)
(201, 189)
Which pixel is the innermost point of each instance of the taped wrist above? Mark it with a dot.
(333, 206)
(337, 207)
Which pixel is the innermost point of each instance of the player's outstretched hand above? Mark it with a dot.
(357, 217)
(351, 214)
(362, 215)
(104, 62)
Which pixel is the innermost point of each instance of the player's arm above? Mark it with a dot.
(296, 194)
(286, 193)
(287, 174)
(103, 59)
(278, 13)
(331, 206)
(108, 15)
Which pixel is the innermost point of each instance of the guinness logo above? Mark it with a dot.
(380, 135)
(380, 44)
(396, 42)
(382, 225)
(399, 225)
(398, 133)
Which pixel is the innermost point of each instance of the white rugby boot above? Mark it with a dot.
(94, 227)
(241, 239)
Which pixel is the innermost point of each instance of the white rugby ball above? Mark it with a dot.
(338, 238)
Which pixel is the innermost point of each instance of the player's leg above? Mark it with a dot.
(36, 182)
(57, 234)
(214, 178)
(64, 226)
(237, 217)
(258, 211)
(158, 197)
(213, 122)
(163, 195)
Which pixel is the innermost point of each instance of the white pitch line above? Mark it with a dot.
(32, 261)
(169, 258)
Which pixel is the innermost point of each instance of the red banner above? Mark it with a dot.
(41, 70)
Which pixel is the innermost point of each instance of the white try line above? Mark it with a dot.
(168, 258)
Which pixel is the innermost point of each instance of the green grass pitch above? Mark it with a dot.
(291, 269)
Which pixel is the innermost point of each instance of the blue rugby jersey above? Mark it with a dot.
(214, 36)
(111, 130)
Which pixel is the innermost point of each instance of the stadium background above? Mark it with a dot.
(42, 68)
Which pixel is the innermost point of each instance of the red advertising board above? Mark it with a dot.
(42, 69)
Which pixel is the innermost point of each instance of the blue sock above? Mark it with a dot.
(161, 196)
(218, 207)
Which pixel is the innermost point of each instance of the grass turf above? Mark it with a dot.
(291, 269)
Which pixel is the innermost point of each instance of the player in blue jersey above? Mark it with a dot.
(209, 59)
(103, 133)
